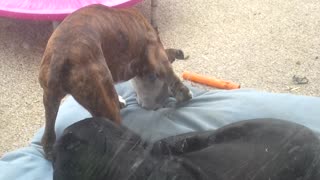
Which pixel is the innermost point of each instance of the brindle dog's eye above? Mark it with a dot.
(152, 76)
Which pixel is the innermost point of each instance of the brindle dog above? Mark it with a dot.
(92, 49)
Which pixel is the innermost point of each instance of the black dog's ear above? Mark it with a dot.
(69, 142)
(174, 54)
(66, 143)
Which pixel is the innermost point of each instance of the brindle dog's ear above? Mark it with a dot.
(174, 54)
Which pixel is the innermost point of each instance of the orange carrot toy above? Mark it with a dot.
(210, 81)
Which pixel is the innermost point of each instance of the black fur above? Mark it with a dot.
(267, 149)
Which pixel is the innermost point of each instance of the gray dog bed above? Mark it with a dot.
(207, 110)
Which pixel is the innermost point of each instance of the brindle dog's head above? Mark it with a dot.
(151, 90)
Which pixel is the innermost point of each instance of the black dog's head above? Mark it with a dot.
(89, 149)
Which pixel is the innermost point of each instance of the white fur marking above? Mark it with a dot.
(122, 101)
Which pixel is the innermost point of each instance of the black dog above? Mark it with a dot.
(96, 149)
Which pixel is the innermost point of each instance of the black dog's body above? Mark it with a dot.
(254, 149)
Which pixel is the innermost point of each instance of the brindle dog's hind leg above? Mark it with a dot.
(51, 100)
(93, 88)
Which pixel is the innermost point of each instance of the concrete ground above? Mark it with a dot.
(259, 44)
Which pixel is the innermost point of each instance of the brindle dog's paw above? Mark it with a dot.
(183, 94)
(48, 152)
(47, 145)
(122, 102)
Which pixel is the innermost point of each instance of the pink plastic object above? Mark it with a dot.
(52, 9)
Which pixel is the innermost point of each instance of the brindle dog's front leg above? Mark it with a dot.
(178, 89)
(122, 102)
(159, 63)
